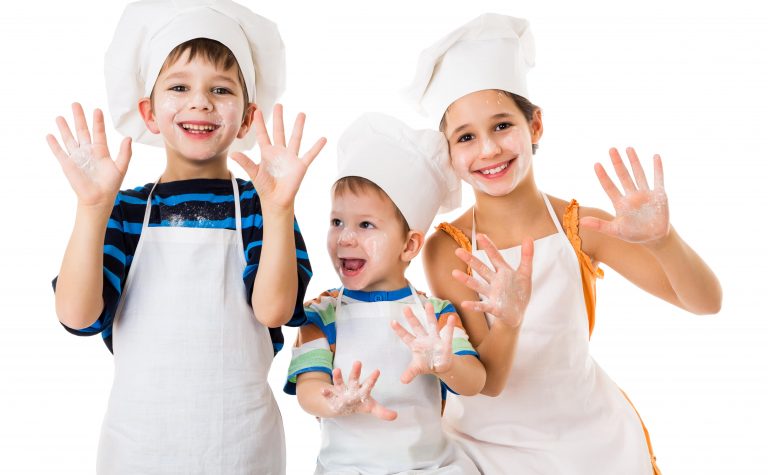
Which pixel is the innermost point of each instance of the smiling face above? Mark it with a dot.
(198, 108)
(490, 141)
(367, 243)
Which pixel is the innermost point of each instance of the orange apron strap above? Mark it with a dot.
(656, 469)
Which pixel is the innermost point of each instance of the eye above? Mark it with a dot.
(221, 90)
(335, 222)
(367, 225)
(178, 88)
(503, 125)
(465, 138)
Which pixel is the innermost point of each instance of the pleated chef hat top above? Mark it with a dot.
(411, 166)
(150, 29)
(490, 52)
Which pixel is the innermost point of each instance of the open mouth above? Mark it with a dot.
(351, 267)
(494, 171)
(199, 129)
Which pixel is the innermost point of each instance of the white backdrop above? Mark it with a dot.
(687, 84)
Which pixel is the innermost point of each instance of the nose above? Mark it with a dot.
(347, 238)
(200, 101)
(489, 148)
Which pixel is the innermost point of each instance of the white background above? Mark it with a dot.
(688, 84)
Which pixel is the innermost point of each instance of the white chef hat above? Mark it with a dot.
(490, 52)
(150, 29)
(411, 166)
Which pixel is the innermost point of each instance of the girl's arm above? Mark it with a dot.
(95, 179)
(640, 243)
(322, 398)
(433, 353)
(276, 180)
(495, 344)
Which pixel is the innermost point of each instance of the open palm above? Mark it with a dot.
(354, 398)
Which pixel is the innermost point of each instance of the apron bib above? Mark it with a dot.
(412, 443)
(559, 413)
(190, 392)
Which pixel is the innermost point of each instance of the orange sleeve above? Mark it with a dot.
(461, 239)
(589, 272)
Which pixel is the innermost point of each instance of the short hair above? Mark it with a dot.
(526, 107)
(358, 185)
(215, 52)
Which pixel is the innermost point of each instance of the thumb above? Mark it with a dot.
(250, 167)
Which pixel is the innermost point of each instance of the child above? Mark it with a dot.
(556, 410)
(392, 179)
(192, 269)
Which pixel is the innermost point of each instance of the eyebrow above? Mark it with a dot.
(500, 115)
(184, 75)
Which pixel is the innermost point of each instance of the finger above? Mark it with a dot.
(382, 412)
(429, 310)
(124, 156)
(599, 225)
(446, 335)
(404, 334)
(298, 130)
(470, 282)
(58, 152)
(410, 374)
(370, 381)
(81, 125)
(637, 169)
(526, 258)
(621, 171)
(338, 379)
(250, 167)
(476, 264)
(260, 128)
(66, 134)
(75, 177)
(485, 243)
(605, 181)
(414, 322)
(278, 129)
(310, 156)
(354, 373)
(99, 135)
(658, 173)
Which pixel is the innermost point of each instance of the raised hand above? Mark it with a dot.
(506, 290)
(354, 398)
(278, 176)
(87, 164)
(432, 351)
(642, 214)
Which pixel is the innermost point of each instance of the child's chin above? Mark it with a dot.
(350, 283)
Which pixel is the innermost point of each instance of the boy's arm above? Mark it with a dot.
(640, 243)
(96, 179)
(276, 180)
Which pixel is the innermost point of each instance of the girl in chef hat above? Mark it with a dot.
(547, 407)
(167, 272)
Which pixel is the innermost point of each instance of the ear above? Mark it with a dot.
(247, 120)
(148, 114)
(537, 126)
(414, 241)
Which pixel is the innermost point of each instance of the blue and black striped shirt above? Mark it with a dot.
(190, 203)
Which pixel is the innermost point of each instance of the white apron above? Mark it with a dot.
(559, 413)
(190, 393)
(361, 443)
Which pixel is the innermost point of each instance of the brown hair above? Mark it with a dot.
(526, 107)
(358, 185)
(213, 51)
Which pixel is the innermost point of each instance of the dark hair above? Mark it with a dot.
(526, 107)
(358, 185)
(216, 53)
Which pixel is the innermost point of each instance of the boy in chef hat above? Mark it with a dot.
(555, 410)
(392, 180)
(172, 285)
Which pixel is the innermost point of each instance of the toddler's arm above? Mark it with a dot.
(96, 180)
